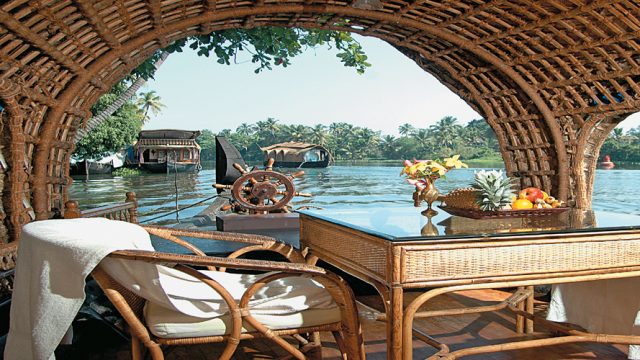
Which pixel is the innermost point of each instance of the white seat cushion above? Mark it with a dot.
(286, 303)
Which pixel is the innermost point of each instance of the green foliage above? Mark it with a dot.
(349, 142)
(114, 134)
(126, 172)
(273, 46)
(267, 46)
(149, 101)
(475, 140)
(622, 146)
(207, 142)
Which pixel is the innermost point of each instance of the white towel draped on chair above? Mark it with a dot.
(604, 306)
(56, 256)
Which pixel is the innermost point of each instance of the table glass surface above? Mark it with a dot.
(406, 223)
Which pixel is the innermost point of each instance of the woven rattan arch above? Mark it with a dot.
(552, 78)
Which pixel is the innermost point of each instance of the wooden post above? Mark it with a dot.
(71, 210)
(528, 307)
(133, 212)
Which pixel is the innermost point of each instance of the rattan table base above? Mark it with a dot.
(520, 261)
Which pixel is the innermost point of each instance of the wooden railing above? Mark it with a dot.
(167, 142)
(125, 211)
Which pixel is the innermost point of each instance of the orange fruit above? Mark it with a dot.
(522, 204)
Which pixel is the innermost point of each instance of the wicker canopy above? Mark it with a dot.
(552, 78)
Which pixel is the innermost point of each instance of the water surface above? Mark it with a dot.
(334, 187)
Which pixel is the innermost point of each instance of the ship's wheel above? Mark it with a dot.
(262, 191)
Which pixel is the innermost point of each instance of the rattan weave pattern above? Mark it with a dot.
(497, 260)
(357, 248)
(552, 78)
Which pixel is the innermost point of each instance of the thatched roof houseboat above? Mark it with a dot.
(168, 150)
(297, 155)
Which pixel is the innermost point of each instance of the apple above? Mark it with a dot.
(531, 194)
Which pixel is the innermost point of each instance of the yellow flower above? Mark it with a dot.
(437, 168)
(454, 162)
(411, 170)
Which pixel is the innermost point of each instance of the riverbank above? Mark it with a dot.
(493, 162)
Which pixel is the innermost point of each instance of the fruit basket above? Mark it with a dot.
(480, 214)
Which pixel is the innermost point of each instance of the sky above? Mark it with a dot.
(316, 89)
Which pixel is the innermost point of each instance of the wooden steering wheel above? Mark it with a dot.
(263, 191)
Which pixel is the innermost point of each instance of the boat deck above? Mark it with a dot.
(459, 332)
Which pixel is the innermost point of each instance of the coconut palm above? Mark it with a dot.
(389, 146)
(617, 133)
(267, 131)
(424, 141)
(245, 129)
(297, 132)
(406, 129)
(150, 101)
(446, 130)
(318, 135)
(120, 101)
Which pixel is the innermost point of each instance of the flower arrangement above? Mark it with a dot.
(422, 173)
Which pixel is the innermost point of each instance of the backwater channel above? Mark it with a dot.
(338, 186)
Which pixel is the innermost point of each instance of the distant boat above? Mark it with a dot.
(103, 166)
(606, 163)
(226, 156)
(167, 150)
(90, 167)
(297, 155)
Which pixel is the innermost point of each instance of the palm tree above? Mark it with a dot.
(119, 102)
(318, 135)
(446, 131)
(617, 133)
(406, 129)
(424, 140)
(150, 101)
(267, 131)
(389, 146)
(297, 132)
(245, 129)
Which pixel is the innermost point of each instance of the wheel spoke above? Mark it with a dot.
(296, 175)
(240, 168)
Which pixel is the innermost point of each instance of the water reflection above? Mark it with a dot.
(335, 187)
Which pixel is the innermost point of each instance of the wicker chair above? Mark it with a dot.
(239, 324)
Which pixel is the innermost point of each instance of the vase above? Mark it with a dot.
(429, 194)
(429, 229)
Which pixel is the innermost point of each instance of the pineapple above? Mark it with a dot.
(495, 190)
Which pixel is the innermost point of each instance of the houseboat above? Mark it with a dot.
(297, 155)
(167, 150)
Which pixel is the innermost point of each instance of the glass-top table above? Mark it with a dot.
(406, 223)
(397, 249)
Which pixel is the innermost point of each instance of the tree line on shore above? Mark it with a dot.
(349, 142)
(475, 140)
(622, 146)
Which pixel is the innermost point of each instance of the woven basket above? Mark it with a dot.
(499, 214)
